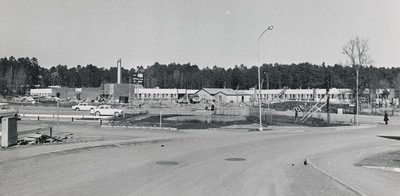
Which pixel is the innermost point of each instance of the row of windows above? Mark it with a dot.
(339, 96)
(306, 96)
(160, 95)
(41, 94)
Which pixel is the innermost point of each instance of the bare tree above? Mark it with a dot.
(356, 51)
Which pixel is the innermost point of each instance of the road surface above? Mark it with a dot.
(227, 161)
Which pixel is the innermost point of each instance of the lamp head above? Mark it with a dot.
(270, 27)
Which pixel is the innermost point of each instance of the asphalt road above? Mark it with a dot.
(201, 162)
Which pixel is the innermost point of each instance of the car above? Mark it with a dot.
(106, 110)
(7, 111)
(83, 107)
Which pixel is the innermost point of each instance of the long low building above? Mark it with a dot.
(237, 96)
(126, 92)
(340, 95)
(270, 95)
(335, 94)
(114, 92)
(66, 93)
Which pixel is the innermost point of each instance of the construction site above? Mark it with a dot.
(181, 141)
(175, 141)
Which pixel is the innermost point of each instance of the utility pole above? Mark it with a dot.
(327, 106)
(357, 72)
(58, 119)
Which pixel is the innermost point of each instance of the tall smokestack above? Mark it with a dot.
(119, 71)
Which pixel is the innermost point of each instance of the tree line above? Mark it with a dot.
(17, 76)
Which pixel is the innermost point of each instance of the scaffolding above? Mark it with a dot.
(315, 108)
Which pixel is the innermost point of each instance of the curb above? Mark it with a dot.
(133, 127)
(62, 116)
(391, 169)
(351, 188)
(358, 191)
(95, 145)
(363, 126)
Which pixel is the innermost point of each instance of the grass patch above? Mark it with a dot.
(154, 121)
(202, 123)
(386, 159)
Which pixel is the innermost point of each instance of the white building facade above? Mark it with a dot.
(336, 95)
(158, 93)
(41, 92)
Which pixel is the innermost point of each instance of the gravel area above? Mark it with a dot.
(386, 159)
(309, 181)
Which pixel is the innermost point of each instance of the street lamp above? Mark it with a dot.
(259, 81)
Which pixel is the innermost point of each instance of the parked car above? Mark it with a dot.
(7, 111)
(106, 110)
(83, 107)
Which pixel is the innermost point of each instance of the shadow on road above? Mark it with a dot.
(390, 137)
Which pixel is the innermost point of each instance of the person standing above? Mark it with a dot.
(386, 118)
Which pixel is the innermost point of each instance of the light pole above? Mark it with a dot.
(357, 70)
(259, 80)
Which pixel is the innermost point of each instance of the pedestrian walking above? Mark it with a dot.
(386, 118)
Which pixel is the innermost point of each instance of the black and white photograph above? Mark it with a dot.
(200, 97)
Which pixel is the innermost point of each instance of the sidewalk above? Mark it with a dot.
(21, 152)
(365, 181)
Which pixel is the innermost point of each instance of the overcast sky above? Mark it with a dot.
(202, 32)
